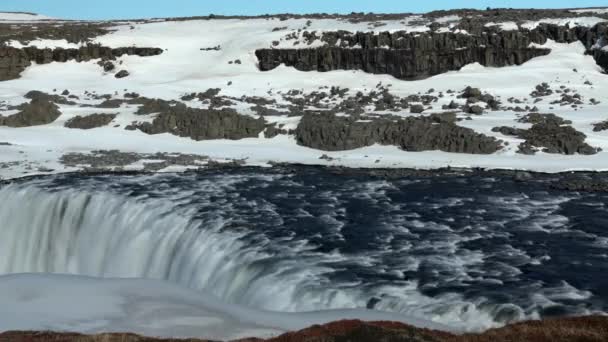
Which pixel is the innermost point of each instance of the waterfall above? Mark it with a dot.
(104, 234)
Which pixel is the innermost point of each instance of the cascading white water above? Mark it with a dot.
(107, 235)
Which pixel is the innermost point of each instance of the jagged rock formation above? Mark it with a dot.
(37, 112)
(413, 56)
(90, 121)
(329, 132)
(13, 61)
(551, 134)
(600, 126)
(201, 124)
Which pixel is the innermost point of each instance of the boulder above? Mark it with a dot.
(90, 121)
(37, 112)
(122, 74)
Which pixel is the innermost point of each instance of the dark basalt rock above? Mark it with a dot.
(558, 139)
(110, 103)
(108, 66)
(549, 133)
(73, 32)
(537, 118)
(90, 121)
(600, 126)
(13, 60)
(151, 106)
(416, 109)
(122, 74)
(411, 56)
(474, 109)
(39, 95)
(329, 132)
(37, 112)
(203, 124)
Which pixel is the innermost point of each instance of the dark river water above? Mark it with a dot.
(470, 251)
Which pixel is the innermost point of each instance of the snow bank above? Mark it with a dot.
(591, 10)
(21, 17)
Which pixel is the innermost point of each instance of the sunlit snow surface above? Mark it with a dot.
(184, 68)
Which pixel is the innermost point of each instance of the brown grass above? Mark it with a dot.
(580, 329)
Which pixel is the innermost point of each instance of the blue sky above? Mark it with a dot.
(114, 9)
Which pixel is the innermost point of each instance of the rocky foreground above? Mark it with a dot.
(581, 329)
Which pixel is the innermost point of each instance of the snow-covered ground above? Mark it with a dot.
(591, 10)
(149, 307)
(185, 68)
(7, 17)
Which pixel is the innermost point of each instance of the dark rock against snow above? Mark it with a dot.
(600, 126)
(203, 124)
(550, 134)
(416, 109)
(39, 95)
(329, 132)
(13, 61)
(108, 66)
(411, 56)
(536, 118)
(37, 112)
(122, 74)
(90, 121)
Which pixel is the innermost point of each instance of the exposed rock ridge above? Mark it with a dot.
(13, 60)
(201, 124)
(329, 132)
(39, 111)
(549, 133)
(413, 56)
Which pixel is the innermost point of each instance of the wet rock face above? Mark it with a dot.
(37, 112)
(13, 61)
(203, 124)
(549, 133)
(415, 56)
(90, 121)
(329, 132)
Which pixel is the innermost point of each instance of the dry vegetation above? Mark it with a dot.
(582, 329)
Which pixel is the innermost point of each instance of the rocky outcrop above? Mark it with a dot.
(90, 121)
(73, 32)
(601, 57)
(413, 56)
(202, 124)
(37, 112)
(329, 132)
(13, 61)
(549, 133)
(600, 126)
